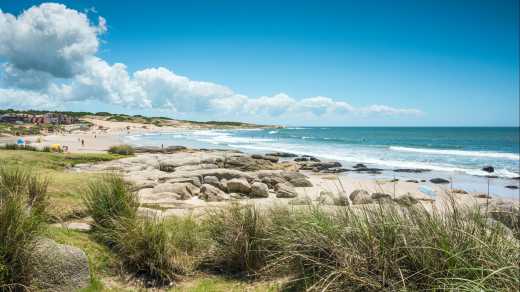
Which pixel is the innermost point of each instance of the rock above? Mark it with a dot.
(285, 190)
(380, 196)
(237, 185)
(220, 173)
(274, 177)
(259, 190)
(301, 159)
(512, 187)
(282, 154)
(335, 170)
(196, 167)
(265, 157)
(320, 166)
(214, 181)
(406, 200)
(59, 267)
(156, 149)
(412, 170)
(412, 181)
(488, 168)
(210, 193)
(439, 181)
(423, 180)
(359, 165)
(482, 196)
(314, 159)
(459, 191)
(297, 179)
(247, 163)
(329, 198)
(184, 190)
(360, 197)
(369, 170)
(166, 167)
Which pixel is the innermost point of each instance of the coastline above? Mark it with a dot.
(104, 134)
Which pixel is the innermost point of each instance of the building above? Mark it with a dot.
(48, 118)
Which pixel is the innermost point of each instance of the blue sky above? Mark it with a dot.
(382, 63)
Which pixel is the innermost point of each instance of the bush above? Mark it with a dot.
(22, 204)
(122, 150)
(239, 235)
(389, 248)
(109, 200)
(145, 248)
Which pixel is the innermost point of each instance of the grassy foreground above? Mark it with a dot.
(383, 247)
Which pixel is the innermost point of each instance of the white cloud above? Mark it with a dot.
(49, 38)
(50, 53)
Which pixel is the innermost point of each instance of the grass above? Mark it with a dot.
(239, 235)
(122, 150)
(22, 206)
(151, 248)
(64, 190)
(389, 248)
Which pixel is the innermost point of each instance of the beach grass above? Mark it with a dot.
(22, 208)
(64, 187)
(121, 150)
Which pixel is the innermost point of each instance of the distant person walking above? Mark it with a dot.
(82, 143)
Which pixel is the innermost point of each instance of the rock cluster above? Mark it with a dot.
(212, 175)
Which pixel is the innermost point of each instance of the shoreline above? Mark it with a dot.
(104, 134)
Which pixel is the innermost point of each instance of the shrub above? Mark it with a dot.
(389, 248)
(122, 150)
(145, 248)
(108, 201)
(239, 234)
(22, 204)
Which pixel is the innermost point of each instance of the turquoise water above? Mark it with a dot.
(458, 150)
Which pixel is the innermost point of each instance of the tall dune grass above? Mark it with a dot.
(389, 248)
(155, 249)
(23, 197)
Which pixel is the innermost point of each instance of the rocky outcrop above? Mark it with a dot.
(156, 149)
(273, 159)
(238, 185)
(360, 197)
(380, 196)
(59, 267)
(488, 168)
(183, 190)
(259, 190)
(274, 177)
(282, 154)
(210, 193)
(439, 181)
(285, 190)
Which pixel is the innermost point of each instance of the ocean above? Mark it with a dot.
(448, 151)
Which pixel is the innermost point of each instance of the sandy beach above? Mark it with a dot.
(104, 134)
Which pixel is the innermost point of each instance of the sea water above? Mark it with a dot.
(447, 151)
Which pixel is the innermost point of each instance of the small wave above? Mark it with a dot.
(502, 155)
(306, 137)
(273, 132)
(295, 128)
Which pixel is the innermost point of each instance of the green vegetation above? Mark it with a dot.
(22, 208)
(240, 237)
(28, 129)
(122, 150)
(383, 247)
(65, 187)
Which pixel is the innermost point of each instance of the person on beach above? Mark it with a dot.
(82, 143)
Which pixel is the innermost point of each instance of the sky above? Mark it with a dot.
(334, 63)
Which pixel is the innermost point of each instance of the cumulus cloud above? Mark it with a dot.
(50, 59)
